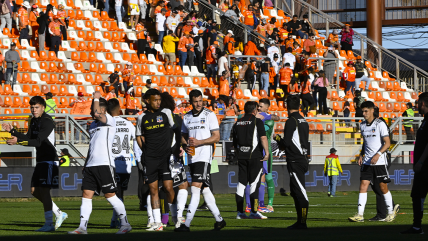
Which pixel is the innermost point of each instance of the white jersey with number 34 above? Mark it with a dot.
(123, 145)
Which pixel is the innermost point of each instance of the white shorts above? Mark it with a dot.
(135, 11)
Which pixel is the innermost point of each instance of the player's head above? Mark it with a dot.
(167, 101)
(103, 107)
(368, 108)
(37, 106)
(113, 107)
(153, 99)
(423, 103)
(293, 103)
(250, 108)
(196, 100)
(264, 105)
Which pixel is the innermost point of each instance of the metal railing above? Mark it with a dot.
(382, 59)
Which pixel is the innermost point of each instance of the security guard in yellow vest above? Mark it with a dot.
(409, 123)
(64, 161)
(50, 104)
(331, 169)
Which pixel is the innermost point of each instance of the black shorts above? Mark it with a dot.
(122, 180)
(99, 178)
(420, 185)
(200, 172)
(156, 168)
(45, 175)
(369, 173)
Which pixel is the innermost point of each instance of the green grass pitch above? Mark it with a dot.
(327, 221)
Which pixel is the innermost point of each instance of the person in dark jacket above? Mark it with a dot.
(296, 145)
(41, 135)
(42, 20)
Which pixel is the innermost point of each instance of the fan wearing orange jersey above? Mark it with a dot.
(111, 94)
(285, 77)
(130, 107)
(24, 21)
(306, 96)
(349, 74)
(128, 76)
(293, 87)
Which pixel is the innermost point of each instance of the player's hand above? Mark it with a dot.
(265, 158)
(194, 142)
(418, 166)
(187, 150)
(181, 151)
(360, 160)
(12, 141)
(375, 158)
(260, 116)
(7, 127)
(97, 95)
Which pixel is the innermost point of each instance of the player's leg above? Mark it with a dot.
(298, 192)
(418, 194)
(181, 202)
(155, 204)
(43, 195)
(380, 201)
(270, 182)
(247, 199)
(254, 173)
(381, 173)
(262, 189)
(366, 176)
(164, 207)
(241, 189)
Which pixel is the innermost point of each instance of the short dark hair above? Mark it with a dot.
(287, 64)
(167, 101)
(38, 100)
(376, 112)
(424, 98)
(102, 103)
(293, 102)
(265, 101)
(409, 105)
(194, 94)
(151, 92)
(294, 15)
(368, 104)
(289, 49)
(250, 106)
(112, 105)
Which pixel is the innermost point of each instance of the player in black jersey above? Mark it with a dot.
(41, 135)
(154, 138)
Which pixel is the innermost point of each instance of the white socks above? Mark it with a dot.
(48, 218)
(149, 210)
(119, 208)
(193, 205)
(388, 201)
(210, 201)
(56, 210)
(157, 215)
(362, 200)
(181, 201)
(85, 212)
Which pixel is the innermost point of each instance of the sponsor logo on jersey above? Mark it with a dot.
(244, 148)
(196, 127)
(243, 123)
(159, 119)
(146, 122)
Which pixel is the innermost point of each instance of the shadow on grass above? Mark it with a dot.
(361, 231)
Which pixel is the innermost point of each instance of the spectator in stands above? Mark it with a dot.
(212, 36)
(135, 13)
(306, 96)
(12, 59)
(114, 81)
(169, 48)
(199, 50)
(346, 40)
(5, 15)
(111, 94)
(333, 39)
(233, 108)
(141, 34)
(188, 27)
(306, 26)
(322, 83)
(273, 49)
(223, 65)
(330, 65)
(275, 63)
(224, 84)
(172, 21)
(147, 86)
(42, 20)
(128, 76)
(233, 12)
(214, 107)
(358, 100)
(285, 74)
(130, 107)
(63, 20)
(250, 74)
(309, 44)
(349, 75)
(143, 9)
(293, 87)
(261, 28)
(249, 17)
(264, 78)
(227, 123)
(211, 56)
(360, 66)
(251, 49)
(2, 67)
(83, 124)
(289, 58)
(120, 10)
(408, 124)
(34, 14)
(24, 21)
(294, 26)
(183, 47)
(346, 111)
(160, 25)
(55, 31)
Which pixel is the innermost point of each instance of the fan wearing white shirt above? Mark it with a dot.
(289, 58)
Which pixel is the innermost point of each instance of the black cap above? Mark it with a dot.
(275, 56)
(332, 150)
(65, 151)
(149, 81)
(175, 11)
(409, 104)
(49, 94)
(305, 16)
(12, 44)
(214, 21)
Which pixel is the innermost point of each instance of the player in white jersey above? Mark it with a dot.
(200, 130)
(373, 161)
(99, 170)
(125, 148)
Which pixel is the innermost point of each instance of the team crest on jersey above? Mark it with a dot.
(159, 119)
(202, 121)
(373, 130)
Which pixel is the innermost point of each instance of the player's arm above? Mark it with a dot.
(215, 132)
(275, 118)
(96, 108)
(170, 118)
(261, 130)
(387, 142)
(139, 132)
(46, 128)
(362, 152)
